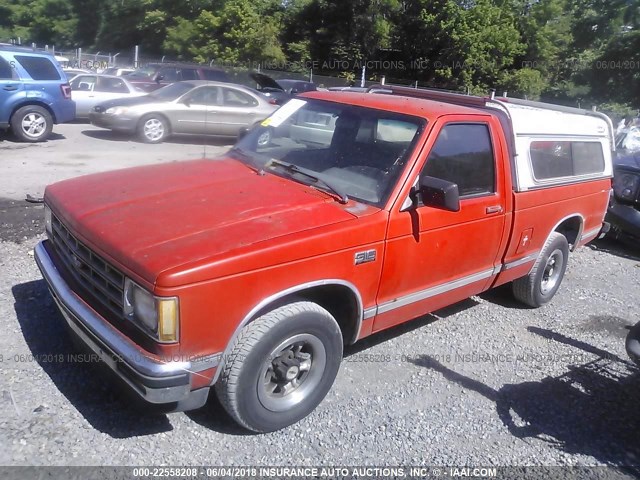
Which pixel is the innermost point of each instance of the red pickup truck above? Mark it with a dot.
(248, 273)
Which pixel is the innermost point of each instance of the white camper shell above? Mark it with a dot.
(549, 144)
(556, 145)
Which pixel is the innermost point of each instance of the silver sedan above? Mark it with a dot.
(198, 107)
(87, 90)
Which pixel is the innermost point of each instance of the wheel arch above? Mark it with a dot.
(34, 103)
(571, 227)
(339, 297)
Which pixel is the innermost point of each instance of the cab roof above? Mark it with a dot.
(427, 109)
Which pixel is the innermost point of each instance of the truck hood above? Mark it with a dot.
(154, 218)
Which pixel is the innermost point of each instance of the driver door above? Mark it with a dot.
(11, 89)
(436, 257)
(197, 110)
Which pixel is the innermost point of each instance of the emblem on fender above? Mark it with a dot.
(365, 257)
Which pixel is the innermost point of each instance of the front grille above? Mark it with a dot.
(104, 282)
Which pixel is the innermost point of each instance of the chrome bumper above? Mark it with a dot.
(152, 378)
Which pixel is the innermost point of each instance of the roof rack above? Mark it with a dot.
(433, 94)
(20, 48)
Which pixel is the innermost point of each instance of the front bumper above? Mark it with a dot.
(113, 122)
(154, 379)
(625, 218)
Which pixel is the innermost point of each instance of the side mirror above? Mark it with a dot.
(439, 193)
(186, 102)
(294, 91)
(159, 78)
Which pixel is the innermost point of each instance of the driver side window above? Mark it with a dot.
(6, 70)
(205, 96)
(168, 74)
(463, 155)
(83, 83)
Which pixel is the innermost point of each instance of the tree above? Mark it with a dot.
(616, 72)
(237, 34)
(51, 22)
(460, 45)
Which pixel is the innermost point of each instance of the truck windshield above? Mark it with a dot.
(357, 151)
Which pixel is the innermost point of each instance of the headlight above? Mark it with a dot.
(47, 220)
(625, 186)
(158, 316)
(116, 110)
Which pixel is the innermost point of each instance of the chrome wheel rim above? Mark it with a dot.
(291, 372)
(153, 129)
(552, 270)
(34, 125)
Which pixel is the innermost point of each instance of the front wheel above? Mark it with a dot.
(31, 123)
(542, 283)
(153, 129)
(281, 367)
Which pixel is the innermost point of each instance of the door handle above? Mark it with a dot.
(10, 88)
(494, 209)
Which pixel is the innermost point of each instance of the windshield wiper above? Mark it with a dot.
(294, 169)
(254, 162)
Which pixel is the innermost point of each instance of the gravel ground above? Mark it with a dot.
(484, 382)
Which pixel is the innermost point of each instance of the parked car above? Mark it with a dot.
(117, 71)
(72, 72)
(281, 91)
(247, 274)
(624, 209)
(156, 75)
(195, 107)
(89, 90)
(34, 93)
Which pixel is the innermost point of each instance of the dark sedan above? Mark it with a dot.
(281, 91)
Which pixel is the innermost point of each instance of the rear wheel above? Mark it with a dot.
(32, 123)
(153, 129)
(632, 343)
(281, 367)
(542, 283)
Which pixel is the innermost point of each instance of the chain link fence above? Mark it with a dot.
(99, 61)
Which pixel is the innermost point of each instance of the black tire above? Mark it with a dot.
(632, 343)
(31, 123)
(263, 365)
(542, 283)
(153, 128)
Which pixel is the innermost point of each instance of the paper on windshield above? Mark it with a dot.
(284, 112)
